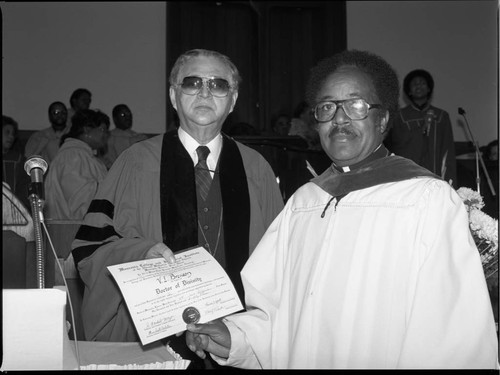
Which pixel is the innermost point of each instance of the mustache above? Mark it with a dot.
(341, 130)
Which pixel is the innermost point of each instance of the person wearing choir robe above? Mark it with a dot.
(149, 205)
(75, 173)
(371, 265)
(421, 131)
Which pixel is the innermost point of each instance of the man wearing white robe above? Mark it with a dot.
(371, 264)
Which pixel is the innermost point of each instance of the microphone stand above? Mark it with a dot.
(36, 209)
(478, 158)
(35, 167)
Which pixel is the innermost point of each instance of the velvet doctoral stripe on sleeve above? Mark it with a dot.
(95, 236)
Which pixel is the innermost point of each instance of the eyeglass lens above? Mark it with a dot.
(355, 109)
(219, 87)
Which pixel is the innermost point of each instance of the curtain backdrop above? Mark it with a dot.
(273, 44)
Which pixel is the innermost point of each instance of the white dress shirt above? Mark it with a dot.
(190, 144)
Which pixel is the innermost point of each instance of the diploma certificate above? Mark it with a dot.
(162, 298)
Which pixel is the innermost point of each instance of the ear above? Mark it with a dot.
(171, 92)
(384, 120)
(234, 97)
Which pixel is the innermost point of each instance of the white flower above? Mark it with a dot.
(484, 226)
(484, 230)
(471, 198)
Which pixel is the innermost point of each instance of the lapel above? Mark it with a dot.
(177, 195)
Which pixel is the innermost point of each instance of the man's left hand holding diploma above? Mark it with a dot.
(160, 250)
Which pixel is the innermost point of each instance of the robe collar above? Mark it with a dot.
(422, 107)
(379, 152)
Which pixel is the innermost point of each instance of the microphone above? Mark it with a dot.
(429, 117)
(36, 167)
(479, 158)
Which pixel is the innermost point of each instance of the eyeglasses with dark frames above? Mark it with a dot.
(355, 109)
(218, 87)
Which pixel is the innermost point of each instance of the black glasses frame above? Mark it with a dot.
(340, 104)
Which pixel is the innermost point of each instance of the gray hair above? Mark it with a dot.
(186, 56)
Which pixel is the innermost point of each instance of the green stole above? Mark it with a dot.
(378, 168)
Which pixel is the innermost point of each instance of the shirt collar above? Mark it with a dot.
(422, 107)
(190, 144)
(379, 152)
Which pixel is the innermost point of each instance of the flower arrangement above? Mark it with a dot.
(484, 230)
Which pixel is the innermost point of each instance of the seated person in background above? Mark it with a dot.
(122, 136)
(491, 151)
(102, 151)
(13, 161)
(422, 132)
(75, 173)
(46, 142)
(280, 124)
(79, 99)
(157, 198)
(371, 264)
(302, 124)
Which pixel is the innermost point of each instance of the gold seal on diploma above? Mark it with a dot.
(191, 315)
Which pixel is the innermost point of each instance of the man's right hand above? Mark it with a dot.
(214, 337)
(160, 250)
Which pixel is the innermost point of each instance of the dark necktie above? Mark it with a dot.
(202, 174)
